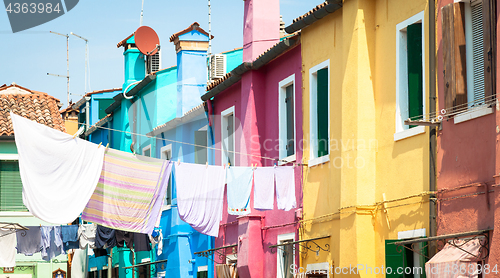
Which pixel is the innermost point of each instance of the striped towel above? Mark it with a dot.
(130, 192)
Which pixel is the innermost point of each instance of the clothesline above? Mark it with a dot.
(190, 144)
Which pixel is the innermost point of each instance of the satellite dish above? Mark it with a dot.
(147, 40)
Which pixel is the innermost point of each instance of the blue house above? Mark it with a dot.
(159, 113)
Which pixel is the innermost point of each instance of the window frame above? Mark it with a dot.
(403, 131)
(282, 238)
(282, 115)
(163, 150)
(224, 140)
(313, 121)
(147, 148)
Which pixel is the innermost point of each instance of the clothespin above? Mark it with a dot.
(274, 164)
(206, 164)
(179, 161)
(99, 145)
(107, 146)
(74, 136)
(228, 165)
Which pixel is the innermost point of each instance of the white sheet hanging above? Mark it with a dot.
(7, 248)
(263, 181)
(239, 187)
(285, 187)
(59, 173)
(200, 196)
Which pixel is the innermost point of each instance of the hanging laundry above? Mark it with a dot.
(100, 252)
(239, 187)
(59, 173)
(141, 242)
(285, 187)
(130, 192)
(86, 235)
(156, 238)
(52, 244)
(200, 196)
(263, 189)
(79, 264)
(8, 248)
(124, 237)
(105, 237)
(70, 237)
(29, 241)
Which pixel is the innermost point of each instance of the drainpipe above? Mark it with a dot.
(433, 130)
(87, 115)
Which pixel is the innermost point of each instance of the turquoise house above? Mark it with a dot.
(162, 116)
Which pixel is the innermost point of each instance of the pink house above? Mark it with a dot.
(256, 116)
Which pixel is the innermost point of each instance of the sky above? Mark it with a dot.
(28, 56)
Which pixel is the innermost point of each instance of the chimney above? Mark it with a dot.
(135, 68)
(261, 27)
(191, 45)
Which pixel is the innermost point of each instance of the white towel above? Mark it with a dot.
(285, 187)
(59, 173)
(200, 196)
(263, 195)
(239, 187)
(86, 235)
(8, 248)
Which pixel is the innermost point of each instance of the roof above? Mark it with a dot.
(318, 12)
(83, 100)
(124, 41)
(194, 26)
(100, 123)
(36, 106)
(186, 118)
(267, 56)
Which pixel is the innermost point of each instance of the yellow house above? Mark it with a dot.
(367, 181)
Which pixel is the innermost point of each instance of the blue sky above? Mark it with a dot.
(29, 55)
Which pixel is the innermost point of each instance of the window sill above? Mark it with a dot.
(166, 207)
(472, 114)
(409, 133)
(16, 213)
(318, 160)
(286, 160)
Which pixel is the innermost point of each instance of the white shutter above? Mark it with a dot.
(477, 52)
(217, 66)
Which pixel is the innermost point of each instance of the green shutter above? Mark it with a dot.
(103, 104)
(290, 132)
(322, 107)
(394, 259)
(415, 71)
(11, 187)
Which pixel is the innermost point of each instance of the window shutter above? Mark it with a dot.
(11, 187)
(290, 138)
(453, 46)
(394, 259)
(322, 105)
(200, 153)
(489, 38)
(103, 104)
(415, 71)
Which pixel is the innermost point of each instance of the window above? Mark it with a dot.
(399, 256)
(146, 151)
(286, 256)
(227, 131)
(286, 107)
(153, 62)
(202, 272)
(319, 110)
(200, 150)
(11, 187)
(103, 104)
(410, 79)
(468, 53)
(144, 271)
(322, 270)
(166, 153)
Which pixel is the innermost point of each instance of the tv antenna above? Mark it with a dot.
(67, 60)
(87, 67)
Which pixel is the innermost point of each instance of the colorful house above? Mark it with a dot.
(255, 112)
(44, 109)
(467, 146)
(159, 113)
(365, 67)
